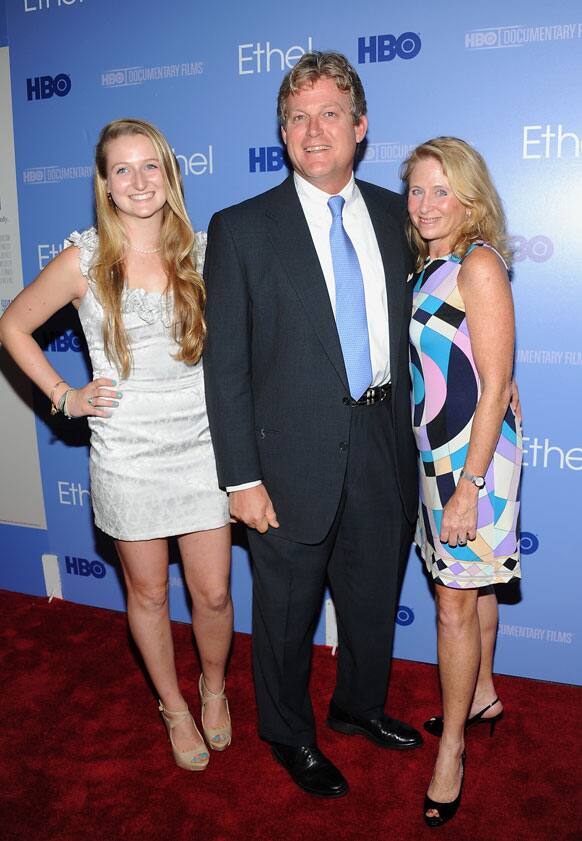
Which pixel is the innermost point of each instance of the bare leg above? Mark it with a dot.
(459, 651)
(206, 560)
(488, 620)
(145, 567)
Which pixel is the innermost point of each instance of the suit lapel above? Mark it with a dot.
(291, 239)
(389, 237)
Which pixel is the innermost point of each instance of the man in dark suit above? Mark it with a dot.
(306, 370)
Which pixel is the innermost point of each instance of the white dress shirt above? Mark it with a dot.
(358, 226)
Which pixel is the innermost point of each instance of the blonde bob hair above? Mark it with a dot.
(177, 243)
(472, 184)
(313, 66)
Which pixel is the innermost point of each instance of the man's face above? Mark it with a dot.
(320, 134)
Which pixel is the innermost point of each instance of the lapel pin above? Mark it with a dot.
(410, 276)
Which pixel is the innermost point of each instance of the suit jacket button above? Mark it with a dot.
(343, 446)
(346, 401)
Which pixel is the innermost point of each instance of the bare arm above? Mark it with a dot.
(60, 283)
(484, 287)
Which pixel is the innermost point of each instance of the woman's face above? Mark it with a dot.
(434, 210)
(134, 177)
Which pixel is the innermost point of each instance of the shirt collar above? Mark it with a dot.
(317, 199)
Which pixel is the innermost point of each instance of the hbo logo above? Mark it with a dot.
(387, 47)
(43, 87)
(484, 39)
(266, 159)
(539, 249)
(528, 543)
(61, 343)
(404, 615)
(81, 566)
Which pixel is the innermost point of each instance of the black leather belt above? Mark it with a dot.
(375, 394)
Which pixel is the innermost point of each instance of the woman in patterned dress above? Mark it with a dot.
(462, 345)
(140, 298)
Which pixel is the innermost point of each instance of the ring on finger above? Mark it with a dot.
(462, 542)
(90, 401)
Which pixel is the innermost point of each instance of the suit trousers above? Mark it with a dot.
(363, 558)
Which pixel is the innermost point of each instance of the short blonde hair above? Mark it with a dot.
(313, 66)
(472, 184)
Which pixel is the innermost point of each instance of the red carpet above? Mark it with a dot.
(85, 756)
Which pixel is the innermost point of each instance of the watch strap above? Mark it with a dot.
(478, 481)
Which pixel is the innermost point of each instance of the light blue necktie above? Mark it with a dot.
(350, 303)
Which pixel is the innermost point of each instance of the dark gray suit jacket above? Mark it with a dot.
(276, 385)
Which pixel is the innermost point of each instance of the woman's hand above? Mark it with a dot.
(459, 522)
(93, 399)
(515, 401)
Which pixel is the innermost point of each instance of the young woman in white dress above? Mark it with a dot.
(135, 283)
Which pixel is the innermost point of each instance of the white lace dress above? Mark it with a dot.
(152, 464)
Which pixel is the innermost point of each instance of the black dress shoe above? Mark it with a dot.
(383, 731)
(310, 769)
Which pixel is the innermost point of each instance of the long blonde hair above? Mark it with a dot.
(472, 184)
(177, 253)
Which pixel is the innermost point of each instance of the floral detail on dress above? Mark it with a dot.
(87, 243)
(149, 306)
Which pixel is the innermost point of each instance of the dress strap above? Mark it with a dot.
(480, 243)
(87, 242)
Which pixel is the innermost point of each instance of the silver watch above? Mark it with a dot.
(478, 481)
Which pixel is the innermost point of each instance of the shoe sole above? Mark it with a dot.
(355, 730)
(309, 790)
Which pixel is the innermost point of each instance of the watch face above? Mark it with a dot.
(478, 481)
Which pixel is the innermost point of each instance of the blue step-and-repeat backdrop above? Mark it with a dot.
(504, 76)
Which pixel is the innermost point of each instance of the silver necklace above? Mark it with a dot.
(146, 250)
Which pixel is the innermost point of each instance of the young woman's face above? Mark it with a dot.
(134, 176)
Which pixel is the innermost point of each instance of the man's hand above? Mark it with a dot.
(253, 507)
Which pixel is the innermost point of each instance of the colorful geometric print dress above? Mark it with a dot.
(445, 392)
